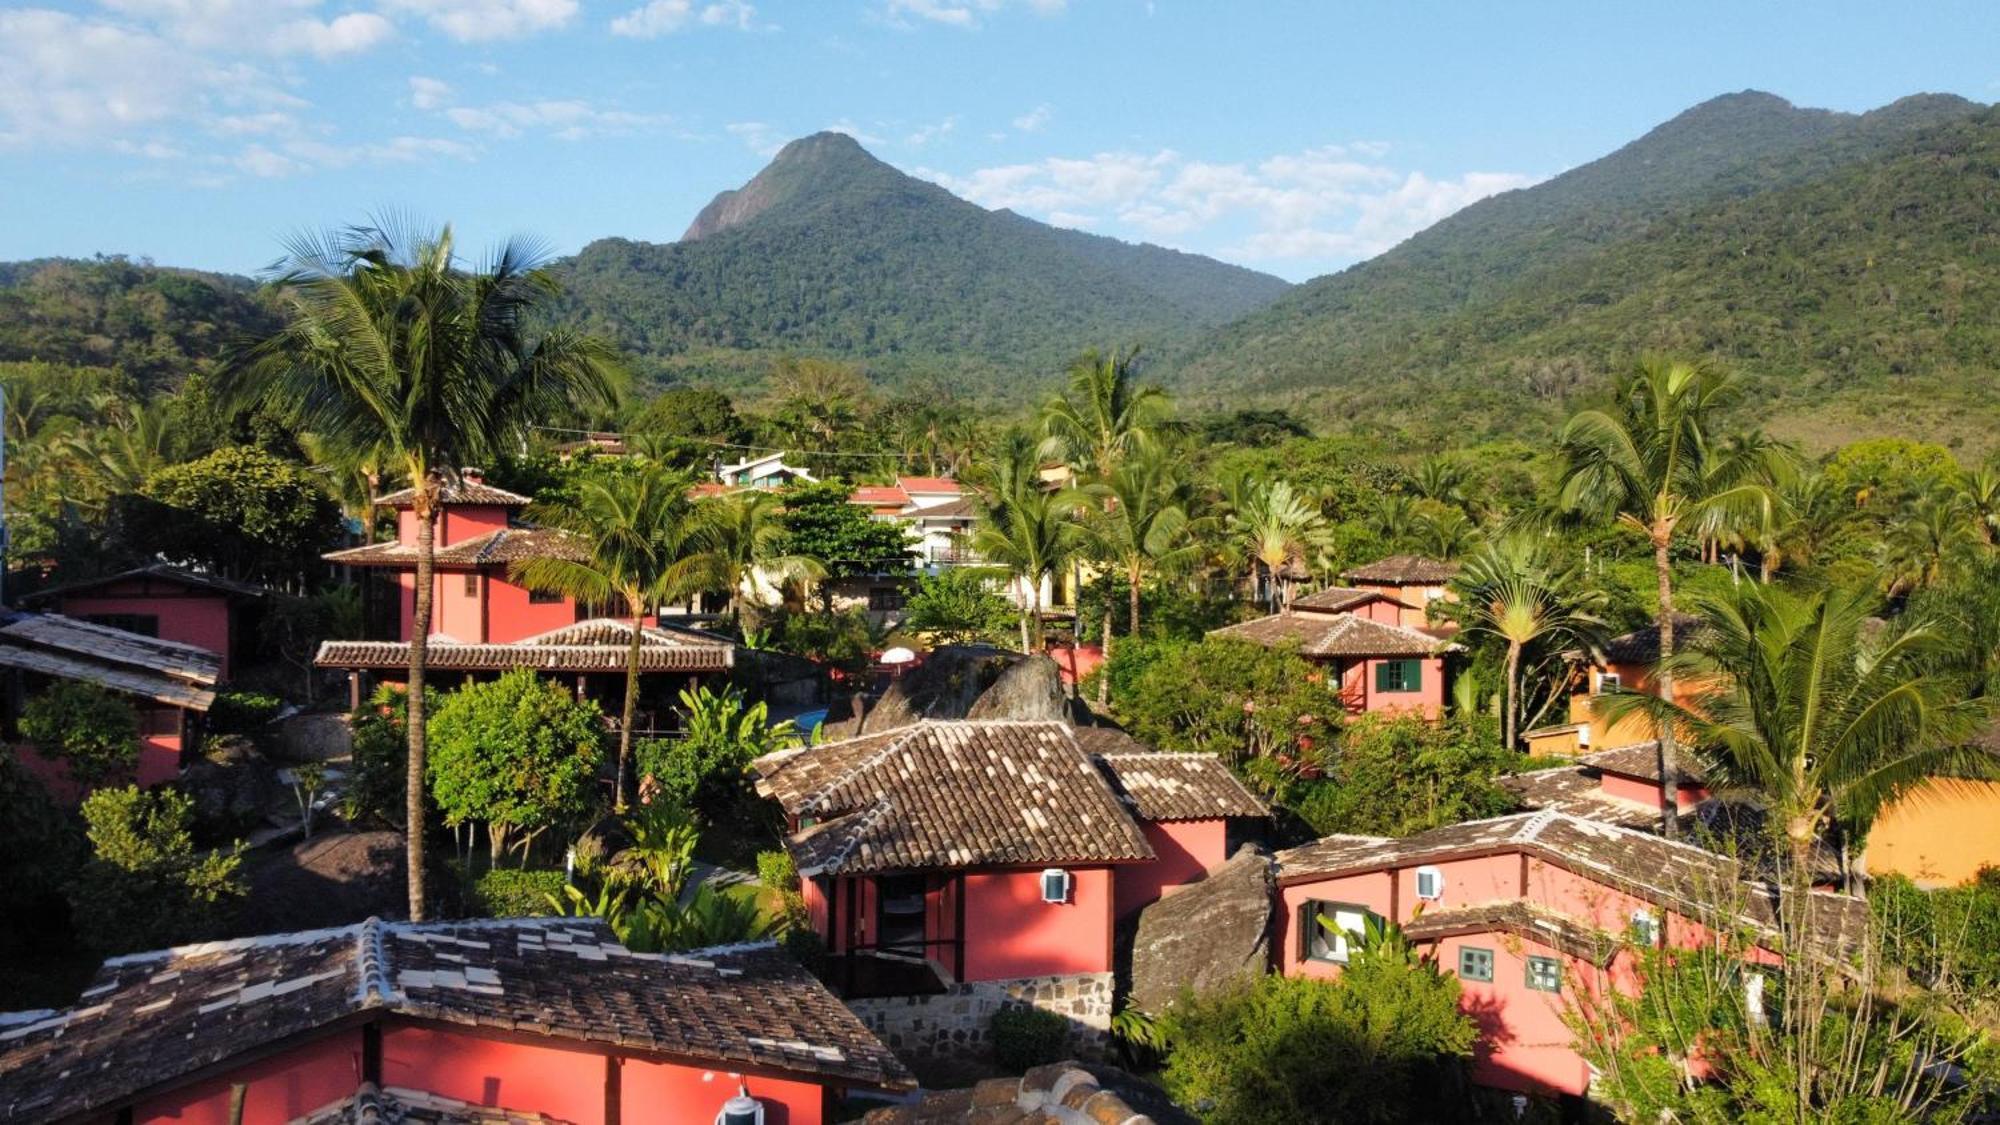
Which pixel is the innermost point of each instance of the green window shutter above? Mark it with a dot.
(1383, 681)
(1413, 675)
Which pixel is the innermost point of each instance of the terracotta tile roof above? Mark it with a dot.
(1337, 599)
(1676, 875)
(1410, 569)
(879, 496)
(1579, 792)
(599, 645)
(150, 1019)
(950, 795)
(1642, 646)
(963, 508)
(928, 484)
(1334, 634)
(1160, 785)
(159, 571)
(1642, 760)
(165, 671)
(508, 544)
(1065, 1093)
(463, 492)
(1520, 918)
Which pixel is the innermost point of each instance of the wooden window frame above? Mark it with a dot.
(1485, 977)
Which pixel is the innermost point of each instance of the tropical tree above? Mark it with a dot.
(1271, 526)
(1818, 707)
(742, 540)
(1512, 590)
(634, 530)
(1651, 459)
(393, 353)
(1929, 537)
(1140, 525)
(1025, 528)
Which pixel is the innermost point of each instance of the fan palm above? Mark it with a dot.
(1103, 415)
(1272, 526)
(394, 354)
(1024, 527)
(739, 537)
(1819, 707)
(1650, 459)
(1513, 591)
(634, 528)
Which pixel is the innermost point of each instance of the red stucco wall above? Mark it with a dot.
(1358, 694)
(159, 758)
(1524, 1043)
(280, 1088)
(510, 616)
(1647, 793)
(187, 617)
(1187, 850)
(1011, 932)
(568, 1085)
(665, 1092)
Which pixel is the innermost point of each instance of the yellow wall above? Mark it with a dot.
(1939, 835)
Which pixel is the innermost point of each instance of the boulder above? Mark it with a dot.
(1206, 934)
(333, 879)
(312, 736)
(234, 787)
(964, 682)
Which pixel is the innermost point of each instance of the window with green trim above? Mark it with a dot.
(1475, 963)
(1327, 929)
(1399, 675)
(1545, 974)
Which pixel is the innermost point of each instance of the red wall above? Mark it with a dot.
(665, 1092)
(568, 1085)
(1358, 695)
(281, 1087)
(510, 616)
(1647, 792)
(1011, 932)
(192, 619)
(501, 614)
(1188, 849)
(1524, 1043)
(159, 757)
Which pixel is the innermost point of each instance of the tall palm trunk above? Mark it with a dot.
(1513, 694)
(1104, 681)
(1670, 782)
(1132, 596)
(631, 714)
(426, 513)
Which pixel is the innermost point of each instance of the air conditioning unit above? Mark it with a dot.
(741, 1110)
(1430, 884)
(1056, 885)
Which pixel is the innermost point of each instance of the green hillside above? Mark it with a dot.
(153, 323)
(1813, 250)
(830, 251)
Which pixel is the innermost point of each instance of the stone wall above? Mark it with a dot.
(958, 1020)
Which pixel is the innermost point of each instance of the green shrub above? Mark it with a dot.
(956, 607)
(519, 754)
(378, 777)
(145, 885)
(1028, 1037)
(776, 870)
(1232, 698)
(505, 892)
(87, 728)
(1384, 1043)
(705, 769)
(1398, 776)
(1949, 937)
(242, 712)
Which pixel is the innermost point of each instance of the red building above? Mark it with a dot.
(170, 686)
(164, 601)
(1622, 786)
(519, 1020)
(1412, 581)
(1376, 664)
(1532, 911)
(949, 852)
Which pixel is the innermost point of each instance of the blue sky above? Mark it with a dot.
(1291, 137)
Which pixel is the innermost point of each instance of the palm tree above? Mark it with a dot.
(122, 454)
(1512, 590)
(1982, 493)
(1650, 459)
(1140, 525)
(393, 354)
(634, 528)
(1820, 708)
(739, 537)
(1440, 477)
(1929, 538)
(1024, 527)
(1273, 526)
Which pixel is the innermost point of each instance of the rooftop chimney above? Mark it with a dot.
(472, 475)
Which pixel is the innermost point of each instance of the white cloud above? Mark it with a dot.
(428, 93)
(473, 21)
(1034, 120)
(344, 35)
(761, 137)
(1336, 203)
(851, 129)
(266, 26)
(664, 17)
(565, 119)
(298, 156)
(70, 80)
(958, 13)
(925, 134)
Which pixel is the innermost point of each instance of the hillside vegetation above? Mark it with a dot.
(829, 251)
(1838, 261)
(151, 323)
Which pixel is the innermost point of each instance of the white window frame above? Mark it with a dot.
(1436, 876)
(1065, 885)
(1608, 682)
(1340, 937)
(1528, 965)
(1646, 926)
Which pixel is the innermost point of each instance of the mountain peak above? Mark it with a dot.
(809, 164)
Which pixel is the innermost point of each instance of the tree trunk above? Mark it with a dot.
(631, 713)
(1670, 782)
(1513, 694)
(420, 632)
(1103, 680)
(1132, 602)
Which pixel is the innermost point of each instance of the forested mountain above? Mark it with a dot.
(1842, 261)
(830, 251)
(152, 323)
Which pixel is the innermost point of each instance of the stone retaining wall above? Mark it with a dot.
(958, 1020)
